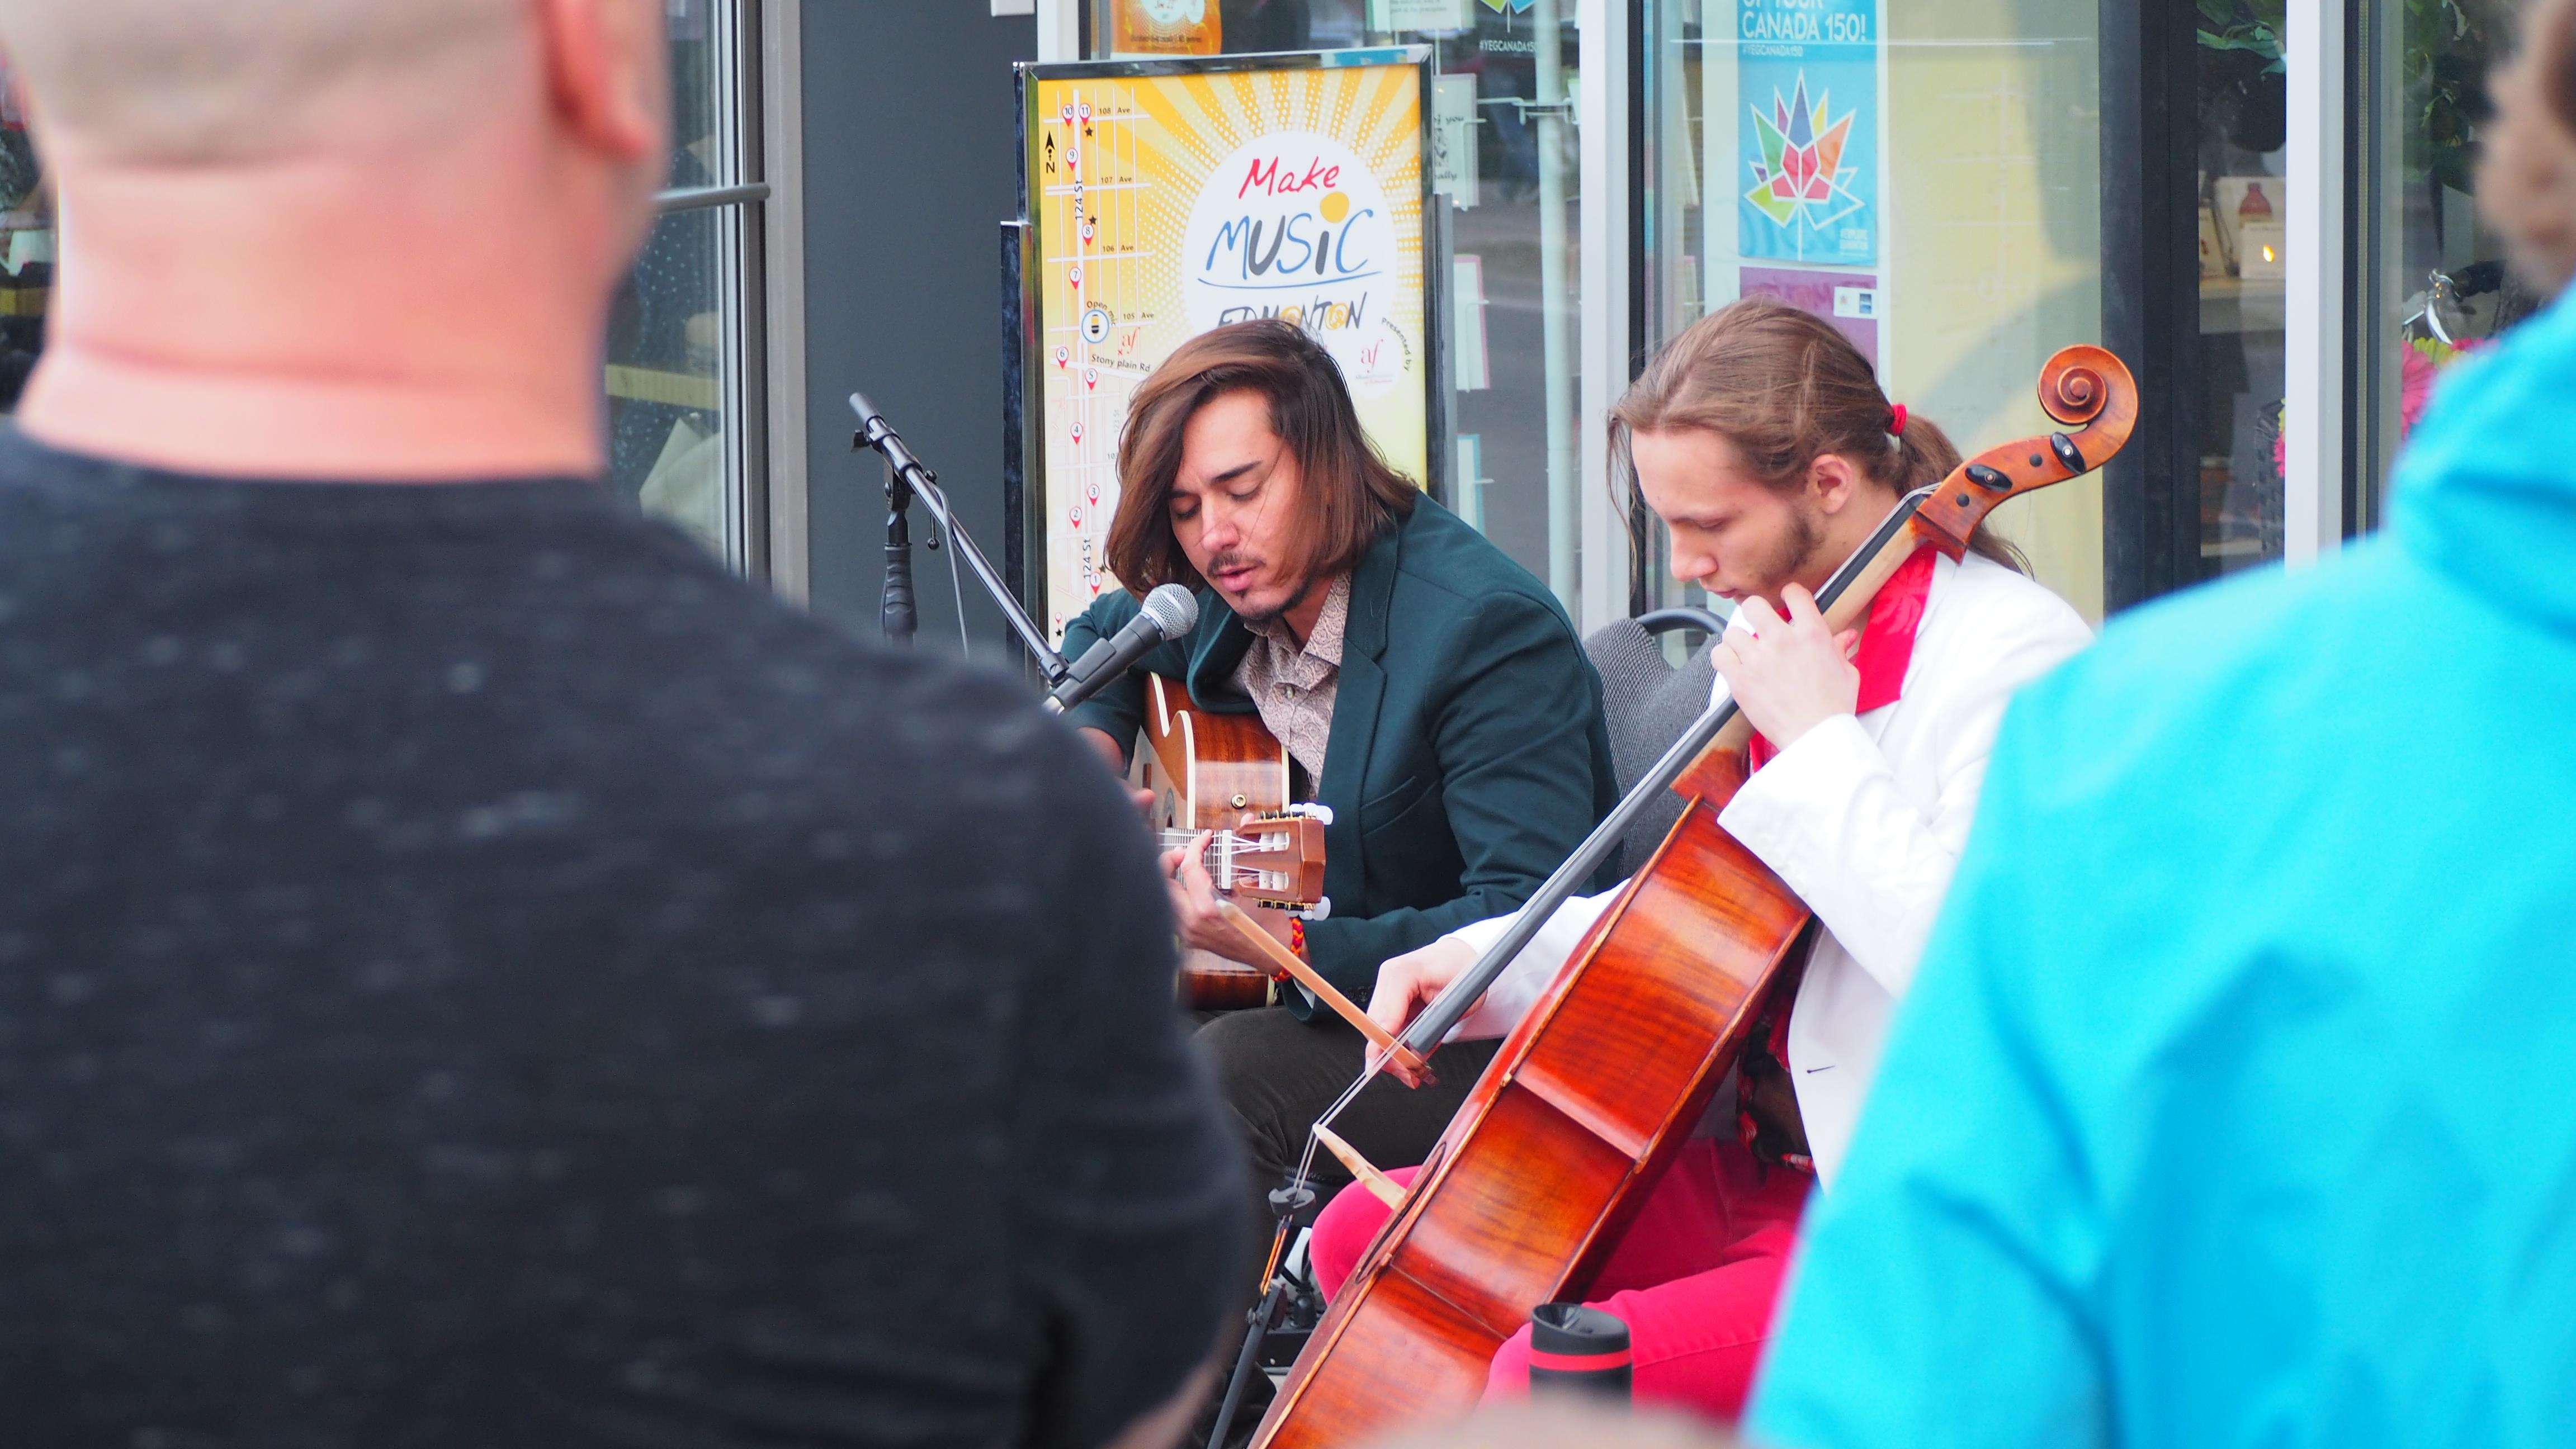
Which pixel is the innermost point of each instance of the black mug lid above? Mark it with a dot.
(1571, 1328)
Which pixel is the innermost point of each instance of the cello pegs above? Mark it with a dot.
(2069, 456)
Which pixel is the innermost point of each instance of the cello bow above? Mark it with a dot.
(1600, 1084)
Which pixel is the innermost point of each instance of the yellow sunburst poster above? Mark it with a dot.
(1166, 198)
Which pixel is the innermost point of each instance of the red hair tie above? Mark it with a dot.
(1896, 420)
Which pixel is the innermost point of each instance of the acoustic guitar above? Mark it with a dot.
(1224, 773)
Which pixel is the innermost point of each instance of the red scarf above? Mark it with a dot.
(1886, 648)
(1886, 642)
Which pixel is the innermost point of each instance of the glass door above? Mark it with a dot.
(1926, 176)
(684, 373)
(2431, 281)
(2244, 203)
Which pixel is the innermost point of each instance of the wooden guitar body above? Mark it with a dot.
(1225, 772)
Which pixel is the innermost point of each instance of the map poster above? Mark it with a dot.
(1169, 197)
(1808, 152)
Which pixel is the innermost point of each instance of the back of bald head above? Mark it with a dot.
(211, 81)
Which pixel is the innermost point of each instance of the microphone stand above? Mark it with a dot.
(896, 614)
(906, 481)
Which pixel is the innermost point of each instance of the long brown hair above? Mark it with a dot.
(1351, 496)
(1786, 388)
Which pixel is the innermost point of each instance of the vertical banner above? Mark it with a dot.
(1808, 147)
(1169, 198)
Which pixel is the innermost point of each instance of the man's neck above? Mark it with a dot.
(308, 320)
(1300, 618)
(1846, 533)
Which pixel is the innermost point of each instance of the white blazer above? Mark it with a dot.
(1864, 817)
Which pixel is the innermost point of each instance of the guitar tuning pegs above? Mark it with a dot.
(1323, 814)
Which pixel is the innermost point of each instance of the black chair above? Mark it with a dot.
(1647, 703)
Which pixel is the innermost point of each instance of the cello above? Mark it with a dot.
(1600, 1085)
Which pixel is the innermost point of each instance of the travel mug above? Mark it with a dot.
(1579, 1348)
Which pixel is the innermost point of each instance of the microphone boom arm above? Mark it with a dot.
(876, 433)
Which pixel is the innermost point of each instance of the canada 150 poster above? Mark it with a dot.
(1164, 205)
(1808, 151)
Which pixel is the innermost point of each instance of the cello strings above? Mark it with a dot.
(1306, 1164)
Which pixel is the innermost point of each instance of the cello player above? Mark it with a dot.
(1430, 691)
(1762, 439)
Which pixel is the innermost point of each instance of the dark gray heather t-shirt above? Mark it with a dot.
(474, 973)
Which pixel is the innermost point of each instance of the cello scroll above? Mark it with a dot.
(2084, 388)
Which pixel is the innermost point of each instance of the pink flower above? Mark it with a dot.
(2419, 363)
(2414, 387)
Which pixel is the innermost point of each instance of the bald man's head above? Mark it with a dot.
(185, 81)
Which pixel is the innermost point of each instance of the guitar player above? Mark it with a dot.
(1428, 690)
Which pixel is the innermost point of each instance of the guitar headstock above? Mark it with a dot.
(1272, 857)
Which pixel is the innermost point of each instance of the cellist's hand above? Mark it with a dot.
(1788, 675)
(1406, 984)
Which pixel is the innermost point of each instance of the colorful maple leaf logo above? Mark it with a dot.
(1801, 175)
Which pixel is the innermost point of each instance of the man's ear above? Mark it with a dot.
(608, 73)
(1833, 482)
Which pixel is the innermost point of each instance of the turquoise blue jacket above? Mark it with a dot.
(1468, 755)
(2235, 1103)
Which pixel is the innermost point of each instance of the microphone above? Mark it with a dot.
(1170, 612)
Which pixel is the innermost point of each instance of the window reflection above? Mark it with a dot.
(2434, 281)
(26, 247)
(669, 335)
(666, 356)
(2244, 211)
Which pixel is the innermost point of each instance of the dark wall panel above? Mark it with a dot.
(909, 170)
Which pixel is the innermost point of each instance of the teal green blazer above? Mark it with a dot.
(1468, 755)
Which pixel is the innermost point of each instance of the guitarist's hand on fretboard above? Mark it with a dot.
(1202, 925)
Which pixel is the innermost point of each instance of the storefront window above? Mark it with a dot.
(2433, 284)
(26, 247)
(1508, 74)
(668, 439)
(1926, 176)
(2244, 211)
(678, 341)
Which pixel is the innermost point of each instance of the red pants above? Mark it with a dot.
(1695, 1277)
